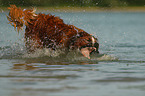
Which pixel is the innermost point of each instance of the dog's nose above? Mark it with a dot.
(91, 49)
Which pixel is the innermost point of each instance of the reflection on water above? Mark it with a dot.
(35, 79)
(121, 79)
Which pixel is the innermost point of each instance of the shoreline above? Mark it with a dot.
(91, 9)
(82, 9)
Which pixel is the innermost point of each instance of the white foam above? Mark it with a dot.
(107, 58)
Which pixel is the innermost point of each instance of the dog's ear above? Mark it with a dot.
(82, 34)
(74, 39)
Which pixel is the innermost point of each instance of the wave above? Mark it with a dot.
(129, 45)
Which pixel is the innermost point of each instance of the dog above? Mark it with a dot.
(49, 31)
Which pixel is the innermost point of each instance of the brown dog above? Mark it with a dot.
(48, 31)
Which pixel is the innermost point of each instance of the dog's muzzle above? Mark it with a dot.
(88, 49)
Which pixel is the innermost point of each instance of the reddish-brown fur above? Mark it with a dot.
(48, 31)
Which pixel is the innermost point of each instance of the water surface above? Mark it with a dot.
(120, 72)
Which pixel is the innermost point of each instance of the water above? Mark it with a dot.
(120, 72)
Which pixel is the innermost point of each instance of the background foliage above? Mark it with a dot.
(80, 3)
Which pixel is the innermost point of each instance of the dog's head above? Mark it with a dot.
(86, 43)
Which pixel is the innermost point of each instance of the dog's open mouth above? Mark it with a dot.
(87, 51)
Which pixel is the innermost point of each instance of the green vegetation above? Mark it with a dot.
(73, 3)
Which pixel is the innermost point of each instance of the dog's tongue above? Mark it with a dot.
(87, 50)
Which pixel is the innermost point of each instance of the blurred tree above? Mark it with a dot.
(100, 3)
(135, 2)
(16, 2)
(109, 3)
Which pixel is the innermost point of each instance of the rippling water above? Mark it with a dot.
(119, 69)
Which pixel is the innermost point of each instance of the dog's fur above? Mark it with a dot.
(49, 31)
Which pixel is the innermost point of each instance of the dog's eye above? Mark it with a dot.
(89, 40)
(81, 34)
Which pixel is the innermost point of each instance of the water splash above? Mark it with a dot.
(18, 51)
(43, 53)
(106, 57)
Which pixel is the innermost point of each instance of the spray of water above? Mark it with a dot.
(18, 51)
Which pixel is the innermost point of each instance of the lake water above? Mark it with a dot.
(118, 71)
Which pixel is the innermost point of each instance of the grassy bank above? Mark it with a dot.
(84, 9)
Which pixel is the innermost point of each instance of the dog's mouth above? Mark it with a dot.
(86, 51)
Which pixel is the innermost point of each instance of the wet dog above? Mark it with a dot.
(49, 31)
